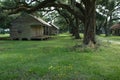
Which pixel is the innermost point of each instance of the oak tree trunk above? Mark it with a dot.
(74, 30)
(89, 24)
(77, 36)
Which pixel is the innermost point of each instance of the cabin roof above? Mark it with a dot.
(54, 26)
(40, 20)
(33, 20)
(115, 26)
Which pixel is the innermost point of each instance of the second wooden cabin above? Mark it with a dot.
(116, 29)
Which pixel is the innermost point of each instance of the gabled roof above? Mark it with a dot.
(40, 20)
(32, 20)
(116, 26)
(54, 26)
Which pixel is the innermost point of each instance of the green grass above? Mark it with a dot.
(4, 35)
(56, 59)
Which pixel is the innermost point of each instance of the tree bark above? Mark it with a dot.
(77, 36)
(89, 24)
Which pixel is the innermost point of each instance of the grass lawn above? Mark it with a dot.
(56, 59)
(4, 35)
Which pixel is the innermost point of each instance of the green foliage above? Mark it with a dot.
(60, 21)
(107, 14)
(5, 20)
(54, 60)
(8, 3)
(100, 17)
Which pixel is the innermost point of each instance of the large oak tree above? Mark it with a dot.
(82, 10)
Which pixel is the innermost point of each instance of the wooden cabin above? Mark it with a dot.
(29, 27)
(115, 29)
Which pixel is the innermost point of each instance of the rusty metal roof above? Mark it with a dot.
(116, 26)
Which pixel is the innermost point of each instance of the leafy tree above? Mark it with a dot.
(82, 10)
(108, 9)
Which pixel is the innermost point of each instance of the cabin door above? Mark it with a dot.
(37, 31)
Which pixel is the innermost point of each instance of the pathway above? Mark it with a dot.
(112, 41)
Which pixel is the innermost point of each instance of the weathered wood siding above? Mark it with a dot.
(21, 28)
(19, 31)
(37, 31)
